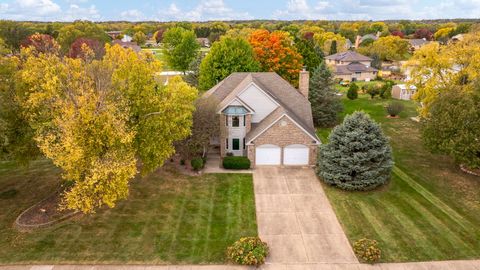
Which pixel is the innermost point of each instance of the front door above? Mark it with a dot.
(236, 147)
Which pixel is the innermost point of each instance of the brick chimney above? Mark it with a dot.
(303, 82)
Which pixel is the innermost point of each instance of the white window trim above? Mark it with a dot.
(278, 119)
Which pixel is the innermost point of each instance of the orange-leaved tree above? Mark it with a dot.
(276, 52)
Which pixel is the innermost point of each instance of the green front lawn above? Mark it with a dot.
(430, 210)
(168, 218)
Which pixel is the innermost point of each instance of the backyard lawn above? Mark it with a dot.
(168, 218)
(430, 210)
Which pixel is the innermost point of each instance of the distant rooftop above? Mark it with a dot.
(348, 56)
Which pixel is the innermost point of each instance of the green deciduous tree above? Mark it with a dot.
(322, 95)
(140, 38)
(453, 127)
(98, 119)
(358, 155)
(181, 47)
(390, 48)
(226, 56)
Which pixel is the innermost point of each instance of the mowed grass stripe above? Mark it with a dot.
(396, 238)
(430, 197)
(410, 228)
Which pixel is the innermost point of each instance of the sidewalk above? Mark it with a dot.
(213, 165)
(441, 265)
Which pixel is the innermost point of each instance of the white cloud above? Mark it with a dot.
(76, 12)
(47, 10)
(204, 11)
(39, 7)
(300, 9)
(377, 9)
(132, 15)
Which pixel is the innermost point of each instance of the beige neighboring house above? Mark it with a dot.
(128, 45)
(401, 91)
(351, 66)
(417, 43)
(266, 119)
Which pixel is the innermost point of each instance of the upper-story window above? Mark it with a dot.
(235, 121)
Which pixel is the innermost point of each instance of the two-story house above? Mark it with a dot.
(351, 66)
(266, 119)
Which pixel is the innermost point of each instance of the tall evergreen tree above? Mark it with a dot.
(312, 55)
(191, 77)
(322, 95)
(333, 47)
(358, 155)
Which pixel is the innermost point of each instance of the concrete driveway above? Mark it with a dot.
(296, 219)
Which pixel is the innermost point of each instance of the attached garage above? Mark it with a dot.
(296, 154)
(268, 154)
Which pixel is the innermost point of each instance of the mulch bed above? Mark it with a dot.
(43, 214)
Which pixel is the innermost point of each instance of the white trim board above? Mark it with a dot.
(278, 119)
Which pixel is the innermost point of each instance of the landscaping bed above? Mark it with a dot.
(43, 214)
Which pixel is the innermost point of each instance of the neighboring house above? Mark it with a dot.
(457, 38)
(204, 42)
(127, 38)
(417, 43)
(266, 119)
(401, 91)
(113, 34)
(127, 45)
(351, 66)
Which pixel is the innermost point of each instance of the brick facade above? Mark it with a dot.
(283, 133)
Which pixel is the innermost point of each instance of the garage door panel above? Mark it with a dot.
(297, 154)
(267, 155)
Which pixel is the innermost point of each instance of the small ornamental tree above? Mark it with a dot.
(322, 95)
(94, 45)
(358, 155)
(158, 35)
(352, 91)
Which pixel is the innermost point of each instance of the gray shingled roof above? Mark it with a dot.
(353, 67)
(418, 42)
(348, 56)
(291, 101)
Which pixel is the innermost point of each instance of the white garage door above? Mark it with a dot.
(295, 154)
(267, 154)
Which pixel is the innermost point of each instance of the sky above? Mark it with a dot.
(204, 10)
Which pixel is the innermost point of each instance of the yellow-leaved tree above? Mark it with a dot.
(100, 120)
(435, 68)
